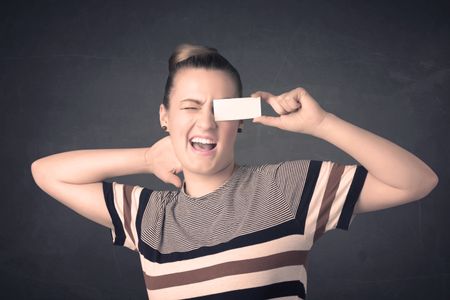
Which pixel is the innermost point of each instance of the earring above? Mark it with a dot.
(164, 128)
(239, 130)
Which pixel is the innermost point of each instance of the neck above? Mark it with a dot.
(197, 185)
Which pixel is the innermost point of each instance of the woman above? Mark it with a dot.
(230, 231)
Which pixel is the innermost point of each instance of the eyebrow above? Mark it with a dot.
(192, 100)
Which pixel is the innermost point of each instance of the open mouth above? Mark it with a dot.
(202, 144)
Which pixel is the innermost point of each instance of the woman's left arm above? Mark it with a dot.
(395, 176)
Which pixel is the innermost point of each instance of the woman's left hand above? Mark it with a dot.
(297, 110)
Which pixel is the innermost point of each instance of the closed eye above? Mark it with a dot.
(189, 108)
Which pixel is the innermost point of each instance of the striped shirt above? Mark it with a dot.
(249, 238)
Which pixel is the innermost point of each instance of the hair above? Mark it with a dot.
(197, 56)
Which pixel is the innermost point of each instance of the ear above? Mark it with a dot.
(163, 115)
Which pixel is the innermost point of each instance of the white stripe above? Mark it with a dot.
(317, 198)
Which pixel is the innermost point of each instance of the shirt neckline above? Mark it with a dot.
(228, 182)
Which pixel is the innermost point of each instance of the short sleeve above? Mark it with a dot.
(322, 194)
(124, 206)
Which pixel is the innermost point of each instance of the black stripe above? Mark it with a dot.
(281, 230)
(352, 197)
(281, 289)
(308, 190)
(118, 226)
(143, 200)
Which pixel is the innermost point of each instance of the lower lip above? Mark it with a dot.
(203, 152)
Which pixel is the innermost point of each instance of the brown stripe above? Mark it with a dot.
(289, 258)
(127, 209)
(328, 198)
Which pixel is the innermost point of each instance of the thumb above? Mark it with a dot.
(268, 121)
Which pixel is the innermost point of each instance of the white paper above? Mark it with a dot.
(236, 108)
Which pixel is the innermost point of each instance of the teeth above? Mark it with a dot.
(202, 141)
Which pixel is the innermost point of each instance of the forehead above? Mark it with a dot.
(202, 84)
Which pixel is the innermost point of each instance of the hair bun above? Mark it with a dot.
(185, 51)
(197, 56)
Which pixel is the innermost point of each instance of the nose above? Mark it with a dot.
(205, 120)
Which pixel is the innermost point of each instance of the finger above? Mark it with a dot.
(173, 179)
(272, 100)
(268, 121)
(264, 95)
(277, 107)
(176, 170)
(282, 102)
(290, 104)
(294, 102)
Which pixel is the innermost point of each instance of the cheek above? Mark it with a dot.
(229, 131)
(179, 122)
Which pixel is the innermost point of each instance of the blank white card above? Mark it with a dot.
(236, 108)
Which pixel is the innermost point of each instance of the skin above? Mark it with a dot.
(190, 114)
(395, 176)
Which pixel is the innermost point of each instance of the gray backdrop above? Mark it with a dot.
(90, 74)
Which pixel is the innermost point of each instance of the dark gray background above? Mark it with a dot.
(90, 74)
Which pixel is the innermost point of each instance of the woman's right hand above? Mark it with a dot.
(163, 162)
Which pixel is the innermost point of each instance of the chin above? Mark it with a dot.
(207, 169)
(204, 170)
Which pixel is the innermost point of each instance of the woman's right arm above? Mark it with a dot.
(75, 178)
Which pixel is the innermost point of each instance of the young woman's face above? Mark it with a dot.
(202, 145)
